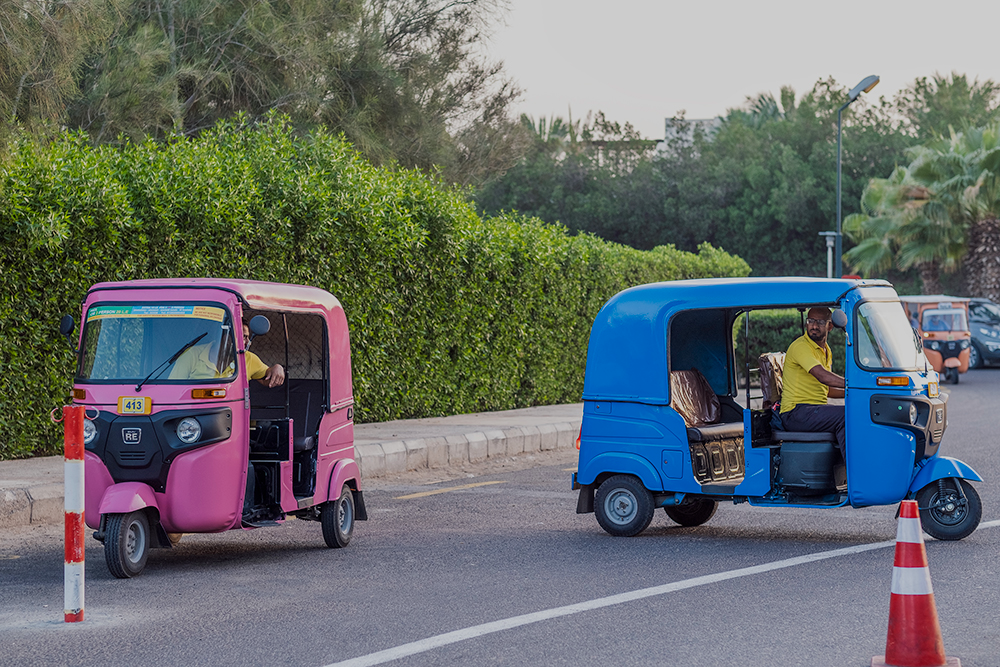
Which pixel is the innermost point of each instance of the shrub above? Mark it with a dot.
(448, 312)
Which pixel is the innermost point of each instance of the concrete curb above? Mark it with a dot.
(31, 490)
(399, 456)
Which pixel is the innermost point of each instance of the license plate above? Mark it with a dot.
(134, 405)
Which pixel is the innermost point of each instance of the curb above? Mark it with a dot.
(37, 498)
(399, 456)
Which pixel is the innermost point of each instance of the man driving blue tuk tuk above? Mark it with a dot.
(809, 381)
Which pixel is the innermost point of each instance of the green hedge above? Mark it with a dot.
(449, 312)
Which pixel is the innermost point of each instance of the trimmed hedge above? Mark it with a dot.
(449, 312)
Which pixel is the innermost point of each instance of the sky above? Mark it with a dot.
(642, 61)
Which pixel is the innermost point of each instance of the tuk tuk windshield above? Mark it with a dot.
(885, 338)
(944, 319)
(130, 342)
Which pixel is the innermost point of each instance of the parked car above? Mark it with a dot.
(984, 321)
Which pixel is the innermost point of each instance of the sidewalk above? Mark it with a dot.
(31, 490)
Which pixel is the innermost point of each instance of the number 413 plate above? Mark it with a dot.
(134, 405)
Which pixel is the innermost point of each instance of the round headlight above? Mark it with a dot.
(89, 431)
(935, 345)
(964, 344)
(189, 430)
(913, 413)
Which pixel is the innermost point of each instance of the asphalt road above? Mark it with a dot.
(505, 573)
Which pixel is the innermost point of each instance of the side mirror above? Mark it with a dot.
(66, 326)
(259, 325)
(839, 319)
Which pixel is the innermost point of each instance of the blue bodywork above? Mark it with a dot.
(643, 333)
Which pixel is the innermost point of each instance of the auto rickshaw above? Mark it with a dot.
(664, 424)
(171, 447)
(943, 325)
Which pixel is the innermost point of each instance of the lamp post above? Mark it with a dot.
(866, 85)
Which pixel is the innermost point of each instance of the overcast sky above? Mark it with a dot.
(641, 61)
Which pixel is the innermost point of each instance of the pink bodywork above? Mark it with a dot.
(205, 487)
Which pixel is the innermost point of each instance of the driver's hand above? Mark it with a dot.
(274, 376)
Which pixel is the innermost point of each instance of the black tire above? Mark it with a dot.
(337, 517)
(624, 507)
(126, 543)
(692, 512)
(951, 520)
(975, 357)
(951, 376)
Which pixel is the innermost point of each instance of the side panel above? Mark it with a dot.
(205, 488)
(97, 479)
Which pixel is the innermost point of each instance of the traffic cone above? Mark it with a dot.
(914, 638)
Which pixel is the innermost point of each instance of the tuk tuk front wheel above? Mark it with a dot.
(337, 518)
(624, 507)
(692, 512)
(945, 514)
(126, 543)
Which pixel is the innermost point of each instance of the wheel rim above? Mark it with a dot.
(973, 357)
(344, 515)
(946, 510)
(135, 542)
(621, 506)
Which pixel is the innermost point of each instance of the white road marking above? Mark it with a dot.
(424, 645)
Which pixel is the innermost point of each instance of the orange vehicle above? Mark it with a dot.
(942, 322)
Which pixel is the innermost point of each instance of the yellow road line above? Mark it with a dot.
(424, 494)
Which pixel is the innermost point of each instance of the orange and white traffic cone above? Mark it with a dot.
(914, 638)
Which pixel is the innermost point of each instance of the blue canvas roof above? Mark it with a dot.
(626, 358)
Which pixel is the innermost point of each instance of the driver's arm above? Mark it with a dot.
(831, 380)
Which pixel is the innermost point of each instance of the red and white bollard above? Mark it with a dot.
(73, 417)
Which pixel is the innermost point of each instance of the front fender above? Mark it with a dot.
(128, 497)
(940, 467)
(952, 362)
(621, 462)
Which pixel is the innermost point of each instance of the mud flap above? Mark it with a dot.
(585, 503)
(360, 512)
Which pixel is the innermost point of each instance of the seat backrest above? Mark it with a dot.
(771, 365)
(693, 398)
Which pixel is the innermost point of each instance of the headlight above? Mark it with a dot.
(913, 413)
(963, 344)
(992, 346)
(934, 345)
(189, 430)
(89, 431)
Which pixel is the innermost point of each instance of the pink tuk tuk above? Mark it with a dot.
(180, 439)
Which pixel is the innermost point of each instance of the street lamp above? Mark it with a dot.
(866, 85)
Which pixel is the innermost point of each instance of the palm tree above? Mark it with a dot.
(905, 226)
(942, 209)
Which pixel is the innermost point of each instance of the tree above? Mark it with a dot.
(931, 106)
(402, 79)
(941, 209)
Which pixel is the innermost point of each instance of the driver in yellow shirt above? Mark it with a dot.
(809, 382)
(204, 361)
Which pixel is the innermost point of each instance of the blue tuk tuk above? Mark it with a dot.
(664, 423)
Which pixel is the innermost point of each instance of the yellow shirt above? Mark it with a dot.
(195, 364)
(256, 369)
(799, 385)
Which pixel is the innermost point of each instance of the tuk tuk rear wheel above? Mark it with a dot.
(624, 507)
(126, 543)
(943, 515)
(337, 518)
(692, 512)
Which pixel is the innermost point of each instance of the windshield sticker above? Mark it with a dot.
(160, 310)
